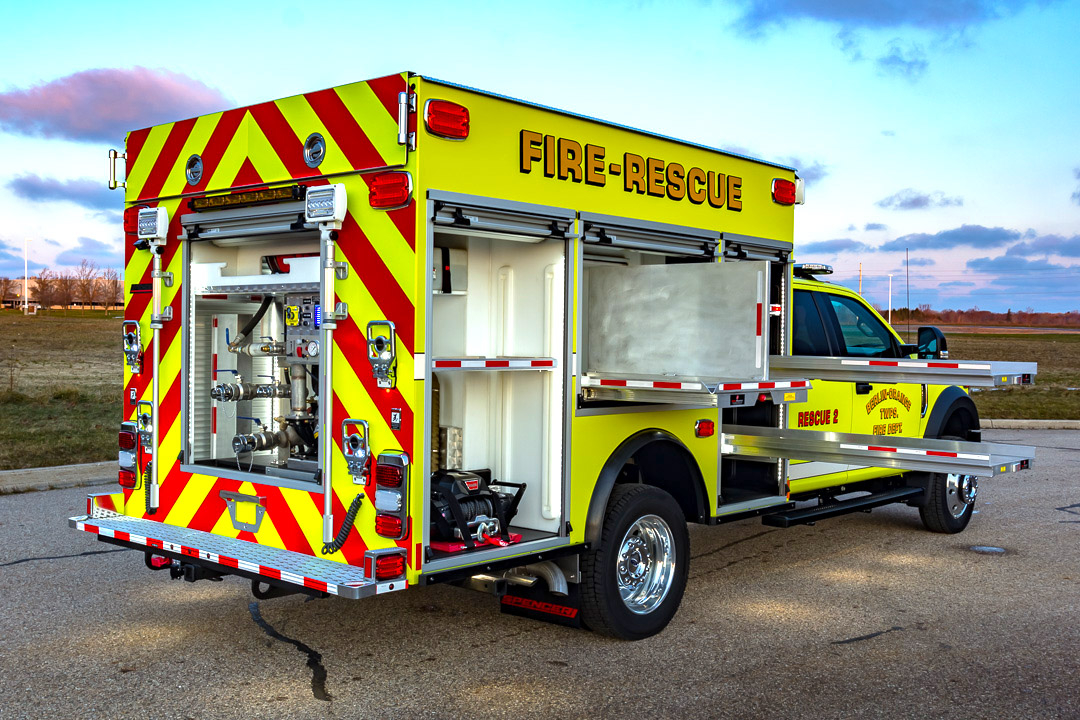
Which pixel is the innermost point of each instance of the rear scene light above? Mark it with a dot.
(388, 525)
(447, 119)
(388, 567)
(783, 191)
(390, 190)
(389, 475)
(127, 440)
(128, 479)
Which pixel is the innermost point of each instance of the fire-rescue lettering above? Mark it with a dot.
(887, 394)
(812, 418)
(566, 159)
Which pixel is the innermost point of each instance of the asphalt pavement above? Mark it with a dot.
(863, 616)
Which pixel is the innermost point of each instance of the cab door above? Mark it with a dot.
(884, 409)
(828, 404)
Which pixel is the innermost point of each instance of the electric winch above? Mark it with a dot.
(466, 509)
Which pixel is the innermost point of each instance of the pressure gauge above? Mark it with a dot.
(312, 349)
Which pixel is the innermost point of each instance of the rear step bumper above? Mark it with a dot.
(281, 567)
(804, 516)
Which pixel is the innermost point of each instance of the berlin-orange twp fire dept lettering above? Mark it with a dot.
(566, 159)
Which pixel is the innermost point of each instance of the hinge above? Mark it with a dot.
(165, 316)
(406, 107)
(113, 157)
(341, 311)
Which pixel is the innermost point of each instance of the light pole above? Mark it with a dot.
(890, 299)
(25, 281)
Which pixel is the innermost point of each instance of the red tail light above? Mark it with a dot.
(390, 190)
(389, 475)
(388, 567)
(128, 479)
(131, 220)
(447, 119)
(388, 525)
(763, 397)
(783, 191)
(128, 440)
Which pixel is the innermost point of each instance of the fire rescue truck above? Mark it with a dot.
(403, 332)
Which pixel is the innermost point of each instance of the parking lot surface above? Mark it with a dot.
(865, 616)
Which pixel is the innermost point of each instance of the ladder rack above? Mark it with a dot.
(942, 456)
(720, 393)
(971, 373)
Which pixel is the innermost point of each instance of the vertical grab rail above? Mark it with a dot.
(326, 400)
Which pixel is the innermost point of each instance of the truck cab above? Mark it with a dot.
(829, 320)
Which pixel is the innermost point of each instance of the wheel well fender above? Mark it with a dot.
(662, 461)
(953, 412)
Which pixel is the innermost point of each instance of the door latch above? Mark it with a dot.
(382, 352)
(144, 419)
(355, 442)
(133, 346)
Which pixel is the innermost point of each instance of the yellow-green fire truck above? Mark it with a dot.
(403, 332)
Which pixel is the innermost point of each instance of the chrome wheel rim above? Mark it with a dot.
(960, 492)
(645, 566)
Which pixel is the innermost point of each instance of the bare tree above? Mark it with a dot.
(110, 288)
(44, 292)
(7, 285)
(65, 290)
(83, 280)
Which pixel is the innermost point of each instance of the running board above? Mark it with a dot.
(971, 373)
(940, 456)
(306, 572)
(810, 515)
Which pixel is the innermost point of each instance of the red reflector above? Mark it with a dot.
(389, 566)
(160, 562)
(447, 119)
(783, 191)
(763, 397)
(390, 190)
(389, 475)
(388, 525)
(127, 440)
(128, 479)
(131, 220)
(704, 428)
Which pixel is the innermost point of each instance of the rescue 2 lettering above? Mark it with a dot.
(566, 159)
(811, 418)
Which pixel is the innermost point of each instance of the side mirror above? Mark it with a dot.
(932, 343)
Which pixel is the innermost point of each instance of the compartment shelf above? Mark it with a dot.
(497, 363)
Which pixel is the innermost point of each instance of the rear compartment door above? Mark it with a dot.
(349, 128)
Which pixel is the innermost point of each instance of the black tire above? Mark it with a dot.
(603, 607)
(936, 513)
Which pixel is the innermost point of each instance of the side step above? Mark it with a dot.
(810, 515)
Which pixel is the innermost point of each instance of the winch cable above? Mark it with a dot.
(267, 301)
(346, 527)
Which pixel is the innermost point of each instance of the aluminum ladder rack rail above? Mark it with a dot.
(688, 390)
(972, 373)
(942, 456)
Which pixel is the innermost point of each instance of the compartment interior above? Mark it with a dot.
(504, 301)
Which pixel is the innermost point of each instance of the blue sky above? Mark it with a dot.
(949, 128)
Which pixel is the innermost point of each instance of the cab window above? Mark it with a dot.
(861, 333)
(807, 330)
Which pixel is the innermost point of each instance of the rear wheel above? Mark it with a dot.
(950, 500)
(633, 581)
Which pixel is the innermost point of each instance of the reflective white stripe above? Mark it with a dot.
(908, 451)
(941, 365)
(419, 364)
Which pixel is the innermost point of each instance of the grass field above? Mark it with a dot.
(1059, 369)
(61, 384)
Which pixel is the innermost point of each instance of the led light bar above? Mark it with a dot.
(249, 198)
(325, 204)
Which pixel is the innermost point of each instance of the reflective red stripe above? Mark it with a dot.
(120, 535)
(613, 383)
(315, 584)
(667, 385)
(881, 449)
(270, 572)
(766, 386)
(166, 159)
(343, 128)
(219, 141)
(497, 363)
(387, 89)
(759, 319)
(228, 561)
(939, 453)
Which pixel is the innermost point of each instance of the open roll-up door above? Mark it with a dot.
(647, 236)
(480, 216)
